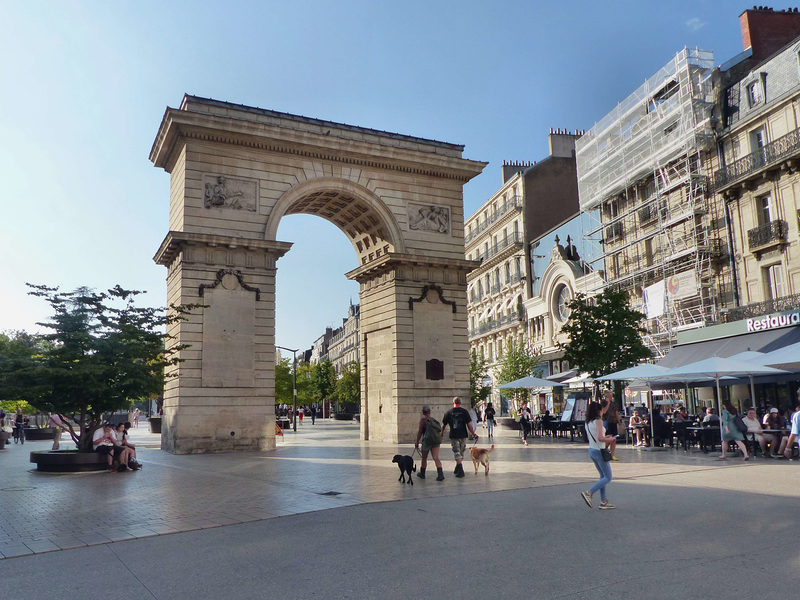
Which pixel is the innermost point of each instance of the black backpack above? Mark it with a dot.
(740, 424)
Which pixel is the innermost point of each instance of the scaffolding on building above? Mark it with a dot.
(646, 206)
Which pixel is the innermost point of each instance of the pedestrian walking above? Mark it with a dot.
(136, 415)
(56, 423)
(430, 431)
(731, 433)
(525, 422)
(313, 414)
(597, 440)
(460, 428)
(489, 415)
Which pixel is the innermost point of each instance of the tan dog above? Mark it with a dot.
(481, 455)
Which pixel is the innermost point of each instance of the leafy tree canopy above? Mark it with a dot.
(478, 371)
(605, 334)
(101, 354)
(323, 381)
(517, 361)
(347, 391)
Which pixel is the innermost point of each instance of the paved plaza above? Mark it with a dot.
(324, 516)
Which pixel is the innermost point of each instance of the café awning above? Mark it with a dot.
(760, 341)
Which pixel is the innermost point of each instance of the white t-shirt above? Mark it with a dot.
(753, 425)
(594, 431)
(796, 423)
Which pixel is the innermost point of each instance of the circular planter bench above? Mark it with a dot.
(155, 424)
(37, 434)
(507, 422)
(343, 416)
(68, 461)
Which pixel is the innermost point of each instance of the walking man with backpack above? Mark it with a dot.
(460, 428)
(430, 430)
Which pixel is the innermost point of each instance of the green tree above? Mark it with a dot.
(102, 353)
(347, 391)
(323, 380)
(283, 381)
(478, 371)
(517, 361)
(605, 334)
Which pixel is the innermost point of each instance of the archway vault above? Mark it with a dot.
(235, 172)
(369, 225)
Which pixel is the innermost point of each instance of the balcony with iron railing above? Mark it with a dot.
(773, 153)
(496, 324)
(515, 239)
(513, 203)
(759, 309)
(767, 235)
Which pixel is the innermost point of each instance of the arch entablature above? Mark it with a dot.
(366, 220)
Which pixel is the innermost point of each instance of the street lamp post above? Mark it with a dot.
(294, 385)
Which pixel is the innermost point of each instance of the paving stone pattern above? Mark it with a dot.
(320, 467)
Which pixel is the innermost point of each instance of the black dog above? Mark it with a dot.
(406, 464)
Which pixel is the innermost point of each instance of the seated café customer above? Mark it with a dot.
(103, 443)
(754, 428)
(710, 429)
(774, 420)
(636, 425)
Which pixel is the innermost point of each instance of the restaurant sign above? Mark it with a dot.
(773, 321)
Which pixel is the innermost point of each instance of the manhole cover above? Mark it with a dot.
(330, 493)
(17, 489)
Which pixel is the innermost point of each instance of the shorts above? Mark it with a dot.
(428, 446)
(104, 450)
(459, 447)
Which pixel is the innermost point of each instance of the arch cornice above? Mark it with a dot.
(321, 184)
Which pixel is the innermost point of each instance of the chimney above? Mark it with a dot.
(766, 30)
(562, 142)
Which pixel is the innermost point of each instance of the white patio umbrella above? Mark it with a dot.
(529, 382)
(717, 368)
(787, 357)
(646, 373)
(747, 356)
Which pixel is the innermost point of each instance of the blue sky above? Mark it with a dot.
(85, 85)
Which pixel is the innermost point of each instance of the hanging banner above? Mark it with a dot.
(682, 285)
(653, 300)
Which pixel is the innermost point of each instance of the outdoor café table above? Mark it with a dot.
(699, 435)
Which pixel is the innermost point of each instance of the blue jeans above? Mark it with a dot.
(604, 468)
(490, 426)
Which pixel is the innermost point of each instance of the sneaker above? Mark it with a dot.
(587, 497)
(112, 470)
(607, 506)
(615, 458)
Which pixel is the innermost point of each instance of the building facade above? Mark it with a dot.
(758, 152)
(344, 347)
(643, 179)
(533, 198)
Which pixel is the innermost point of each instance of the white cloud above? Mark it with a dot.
(694, 24)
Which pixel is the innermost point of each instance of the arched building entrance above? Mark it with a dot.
(235, 172)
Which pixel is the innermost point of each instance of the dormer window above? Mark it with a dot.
(753, 93)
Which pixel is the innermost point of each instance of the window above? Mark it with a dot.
(774, 284)
(508, 272)
(563, 297)
(754, 93)
(648, 252)
(758, 139)
(766, 210)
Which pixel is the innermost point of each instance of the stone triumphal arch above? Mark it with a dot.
(235, 172)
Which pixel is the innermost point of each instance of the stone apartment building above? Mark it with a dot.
(533, 198)
(756, 163)
(344, 346)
